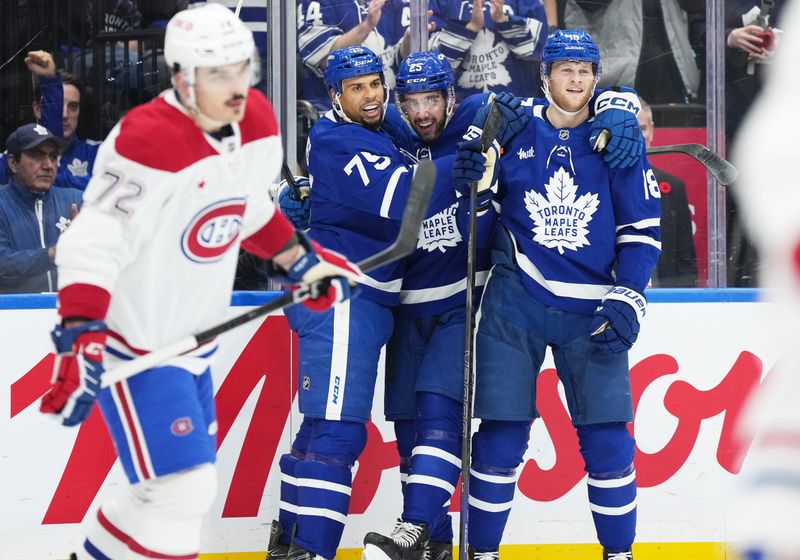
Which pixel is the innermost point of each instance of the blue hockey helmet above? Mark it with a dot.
(424, 71)
(349, 62)
(421, 72)
(573, 45)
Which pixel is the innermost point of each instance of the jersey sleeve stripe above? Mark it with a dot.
(638, 239)
(83, 300)
(388, 195)
(642, 224)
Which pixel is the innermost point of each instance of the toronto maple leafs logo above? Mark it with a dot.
(561, 221)
(440, 231)
(78, 168)
(484, 65)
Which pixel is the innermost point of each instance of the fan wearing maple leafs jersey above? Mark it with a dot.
(575, 248)
(491, 45)
(326, 25)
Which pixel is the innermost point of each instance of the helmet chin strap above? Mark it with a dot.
(337, 106)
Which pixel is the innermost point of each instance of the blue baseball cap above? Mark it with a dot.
(29, 136)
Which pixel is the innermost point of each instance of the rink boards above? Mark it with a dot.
(700, 354)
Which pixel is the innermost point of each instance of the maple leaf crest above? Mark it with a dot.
(484, 65)
(561, 221)
(440, 231)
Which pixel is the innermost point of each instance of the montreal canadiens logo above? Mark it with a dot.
(213, 230)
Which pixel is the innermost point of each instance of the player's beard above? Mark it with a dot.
(431, 134)
(374, 123)
(569, 102)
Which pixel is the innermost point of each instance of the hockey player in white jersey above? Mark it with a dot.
(769, 504)
(178, 188)
(575, 248)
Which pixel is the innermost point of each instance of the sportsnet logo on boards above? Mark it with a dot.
(213, 230)
(561, 221)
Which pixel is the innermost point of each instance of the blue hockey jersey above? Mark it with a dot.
(435, 276)
(321, 22)
(577, 227)
(499, 57)
(359, 185)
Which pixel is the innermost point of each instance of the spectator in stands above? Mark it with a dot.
(326, 25)
(677, 265)
(644, 44)
(57, 106)
(32, 213)
(749, 47)
(494, 45)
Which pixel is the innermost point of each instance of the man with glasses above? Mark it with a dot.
(32, 213)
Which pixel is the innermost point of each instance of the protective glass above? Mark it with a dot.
(417, 104)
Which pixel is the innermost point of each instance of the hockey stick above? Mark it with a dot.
(405, 242)
(490, 129)
(722, 170)
(300, 192)
(238, 8)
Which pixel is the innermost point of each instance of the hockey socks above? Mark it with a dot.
(435, 464)
(608, 451)
(498, 449)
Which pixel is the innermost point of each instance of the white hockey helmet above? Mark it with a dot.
(207, 36)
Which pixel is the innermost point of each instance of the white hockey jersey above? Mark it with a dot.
(163, 218)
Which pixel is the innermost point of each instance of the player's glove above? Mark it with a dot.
(295, 205)
(473, 166)
(615, 325)
(515, 116)
(615, 112)
(329, 276)
(77, 371)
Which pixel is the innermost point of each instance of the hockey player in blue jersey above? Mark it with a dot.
(575, 248)
(424, 382)
(360, 182)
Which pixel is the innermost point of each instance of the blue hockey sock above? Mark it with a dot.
(608, 451)
(404, 432)
(287, 513)
(323, 499)
(498, 448)
(324, 483)
(435, 464)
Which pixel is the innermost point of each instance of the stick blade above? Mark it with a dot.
(721, 169)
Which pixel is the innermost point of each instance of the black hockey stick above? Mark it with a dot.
(300, 192)
(490, 129)
(722, 170)
(406, 241)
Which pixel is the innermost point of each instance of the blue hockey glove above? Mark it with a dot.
(616, 112)
(77, 371)
(294, 205)
(473, 166)
(615, 325)
(329, 276)
(515, 116)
